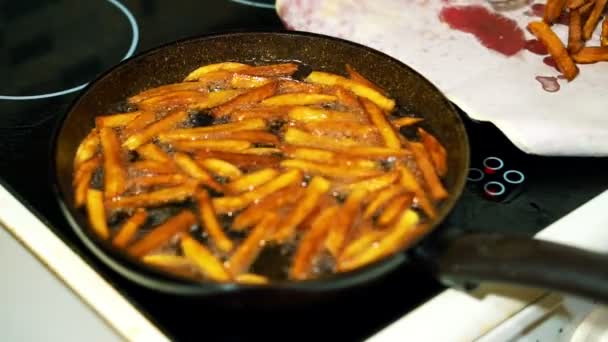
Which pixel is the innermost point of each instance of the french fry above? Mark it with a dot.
(374, 152)
(377, 117)
(114, 173)
(169, 88)
(247, 252)
(251, 279)
(405, 121)
(593, 19)
(393, 209)
(575, 32)
(327, 157)
(247, 81)
(604, 34)
(173, 100)
(436, 188)
(251, 181)
(375, 183)
(216, 98)
(242, 160)
(152, 152)
(192, 169)
(309, 114)
(382, 198)
(144, 119)
(574, 4)
(331, 171)
(347, 98)
(87, 148)
(221, 168)
(586, 8)
(146, 134)
(151, 166)
(202, 132)
(359, 89)
(82, 179)
(253, 96)
(156, 180)
(256, 136)
(298, 99)
(345, 218)
(292, 86)
(234, 203)
(553, 9)
(298, 137)
(261, 151)
(207, 263)
(591, 54)
(543, 32)
(259, 112)
(97, 213)
(206, 69)
(436, 151)
(228, 145)
(127, 231)
(175, 264)
(162, 233)
(401, 234)
(273, 70)
(360, 244)
(311, 244)
(357, 77)
(153, 198)
(287, 228)
(211, 224)
(409, 183)
(115, 120)
(255, 212)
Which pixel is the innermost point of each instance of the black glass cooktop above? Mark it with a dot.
(50, 48)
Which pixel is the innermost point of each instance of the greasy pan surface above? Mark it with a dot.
(170, 63)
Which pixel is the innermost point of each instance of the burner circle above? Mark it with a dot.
(514, 177)
(475, 175)
(500, 189)
(261, 4)
(133, 45)
(493, 163)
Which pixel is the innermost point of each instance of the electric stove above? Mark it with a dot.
(52, 48)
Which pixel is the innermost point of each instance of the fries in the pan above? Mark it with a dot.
(315, 167)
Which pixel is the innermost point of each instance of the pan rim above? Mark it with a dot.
(161, 281)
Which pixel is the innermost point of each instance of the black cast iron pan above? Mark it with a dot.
(464, 258)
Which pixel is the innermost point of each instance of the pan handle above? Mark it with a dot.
(524, 261)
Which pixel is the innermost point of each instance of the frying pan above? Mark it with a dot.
(455, 260)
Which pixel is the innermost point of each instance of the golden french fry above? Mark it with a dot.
(347, 98)
(273, 70)
(144, 119)
(227, 145)
(575, 32)
(401, 234)
(436, 151)
(357, 77)
(331, 171)
(205, 261)
(591, 54)
(168, 89)
(287, 228)
(255, 212)
(574, 4)
(162, 233)
(212, 225)
(82, 180)
(127, 231)
(192, 169)
(156, 180)
(256, 136)
(309, 114)
(240, 159)
(151, 166)
(247, 252)
(604, 34)
(360, 244)
(206, 69)
(251, 279)
(359, 89)
(298, 99)
(553, 9)
(253, 96)
(410, 183)
(343, 129)
(115, 120)
(216, 98)
(375, 183)
(393, 209)
(251, 181)
(234, 203)
(374, 152)
(97, 213)
(172, 100)
(203, 132)
(298, 137)
(261, 151)
(259, 112)
(221, 168)
(405, 121)
(345, 217)
(292, 86)
(87, 148)
(543, 32)
(593, 18)
(436, 188)
(146, 134)
(586, 8)
(166, 260)
(327, 157)
(382, 198)
(248, 81)
(377, 117)
(312, 244)
(153, 198)
(115, 175)
(152, 152)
